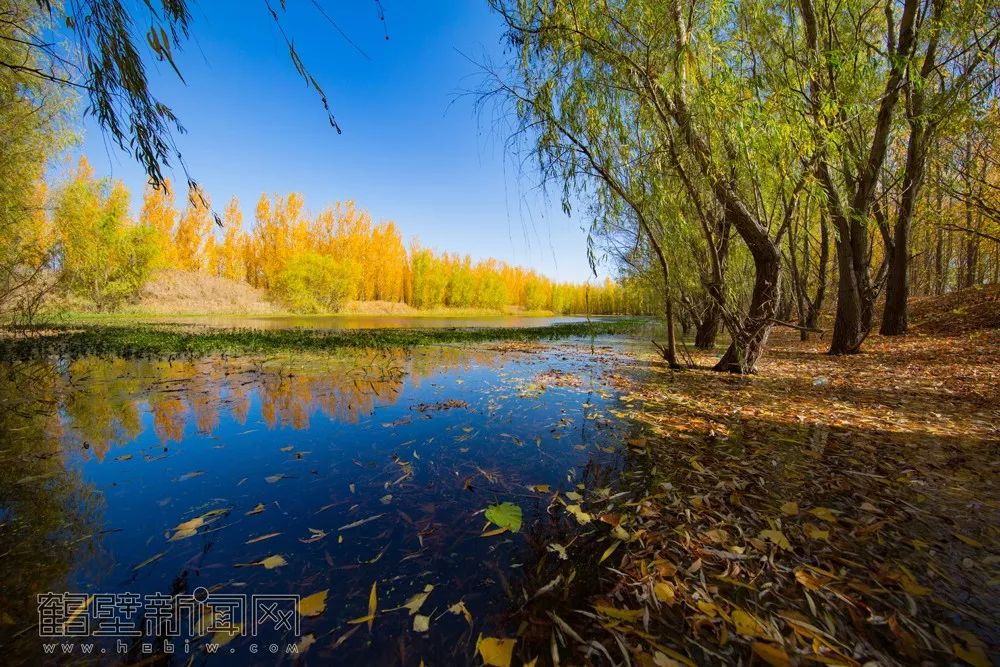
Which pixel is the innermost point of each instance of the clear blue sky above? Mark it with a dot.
(413, 149)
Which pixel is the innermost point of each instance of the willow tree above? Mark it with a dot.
(723, 124)
(953, 75)
(861, 62)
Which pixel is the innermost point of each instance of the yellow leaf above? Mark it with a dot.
(823, 513)
(261, 538)
(816, 533)
(610, 550)
(313, 605)
(790, 508)
(421, 623)
(771, 654)
(747, 624)
(459, 608)
(256, 510)
(415, 602)
(495, 652)
(272, 562)
(777, 537)
(708, 608)
(303, 644)
(372, 606)
(664, 592)
(76, 612)
(581, 516)
(973, 655)
(540, 488)
(629, 615)
(223, 637)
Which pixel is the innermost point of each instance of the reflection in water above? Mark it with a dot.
(105, 458)
(48, 514)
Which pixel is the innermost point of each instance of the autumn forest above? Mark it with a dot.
(637, 333)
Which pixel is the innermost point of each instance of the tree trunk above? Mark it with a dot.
(708, 327)
(849, 331)
(898, 285)
(670, 351)
(748, 344)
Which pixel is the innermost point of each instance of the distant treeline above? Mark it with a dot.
(310, 262)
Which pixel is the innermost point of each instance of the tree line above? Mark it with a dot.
(759, 159)
(83, 235)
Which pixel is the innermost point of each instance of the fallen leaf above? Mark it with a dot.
(777, 537)
(771, 654)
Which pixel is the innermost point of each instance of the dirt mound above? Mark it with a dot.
(957, 312)
(174, 291)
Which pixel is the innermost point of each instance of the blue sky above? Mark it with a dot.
(413, 148)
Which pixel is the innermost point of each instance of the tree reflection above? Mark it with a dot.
(47, 514)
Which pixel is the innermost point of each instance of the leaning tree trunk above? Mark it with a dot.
(748, 343)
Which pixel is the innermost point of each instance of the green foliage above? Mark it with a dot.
(315, 283)
(140, 340)
(32, 114)
(103, 256)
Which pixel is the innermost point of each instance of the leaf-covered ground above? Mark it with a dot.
(834, 510)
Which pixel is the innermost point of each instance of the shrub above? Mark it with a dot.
(315, 283)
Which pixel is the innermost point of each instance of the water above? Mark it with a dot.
(334, 322)
(158, 477)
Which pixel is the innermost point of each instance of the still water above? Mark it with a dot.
(335, 322)
(364, 476)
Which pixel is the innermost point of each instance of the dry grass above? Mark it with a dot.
(172, 292)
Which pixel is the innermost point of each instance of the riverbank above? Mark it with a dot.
(838, 510)
(139, 340)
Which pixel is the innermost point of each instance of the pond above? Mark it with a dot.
(338, 322)
(360, 482)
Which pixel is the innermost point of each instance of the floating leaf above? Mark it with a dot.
(372, 608)
(261, 538)
(149, 560)
(495, 652)
(540, 488)
(303, 644)
(269, 563)
(421, 623)
(460, 608)
(360, 523)
(223, 637)
(313, 605)
(582, 517)
(256, 510)
(415, 602)
(316, 536)
(505, 515)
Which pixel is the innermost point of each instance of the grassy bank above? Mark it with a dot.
(161, 341)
